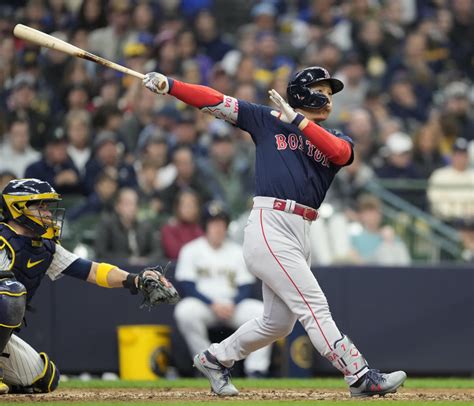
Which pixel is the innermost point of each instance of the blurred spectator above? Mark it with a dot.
(208, 37)
(361, 129)
(56, 167)
(216, 288)
(187, 177)
(457, 109)
(107, 157)
(24, 104)
(374, 243)
(92, 15)
(153, 147)
(16, 153)
(78, 129)
(427, 150)
(399, 166)
(229, 177)
(451, 188)
(122, 237)
(184, 226)
(466, 231)
(108, 41)
(188, 52)
(99, 201)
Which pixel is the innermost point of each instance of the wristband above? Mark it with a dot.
(103, 270)
(129, 283)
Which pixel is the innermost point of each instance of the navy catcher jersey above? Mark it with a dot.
(288, 165)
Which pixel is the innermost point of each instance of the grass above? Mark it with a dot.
(284, 383)
(460, 384)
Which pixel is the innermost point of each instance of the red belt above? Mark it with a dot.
(306, 212)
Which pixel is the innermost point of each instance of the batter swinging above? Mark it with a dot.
(296, 161)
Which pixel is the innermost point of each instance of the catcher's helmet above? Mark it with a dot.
(299, 93)
(215, 210)
(19, 194)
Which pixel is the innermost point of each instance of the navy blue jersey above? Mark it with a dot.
(288, 165)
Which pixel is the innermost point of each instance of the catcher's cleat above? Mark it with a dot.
(218, 375)
(376, 383)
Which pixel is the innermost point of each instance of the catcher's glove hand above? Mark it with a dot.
(153, 285)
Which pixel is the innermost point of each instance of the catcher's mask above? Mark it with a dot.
(299, 93)
(45, 219)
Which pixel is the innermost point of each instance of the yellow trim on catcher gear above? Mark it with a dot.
(46, 361)
(8, 326)
(7, 244)
(103, 270)
(13, 294)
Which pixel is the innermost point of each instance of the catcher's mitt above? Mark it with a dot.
(154, 286)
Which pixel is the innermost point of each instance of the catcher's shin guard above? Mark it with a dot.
(45, 382)
(12, 308)
(347, 359)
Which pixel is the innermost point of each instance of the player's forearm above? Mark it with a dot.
(107, 275)
(337, 150)
(206, 99)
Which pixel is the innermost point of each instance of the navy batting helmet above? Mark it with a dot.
(215, 210)
(19, 194)
(299, 93)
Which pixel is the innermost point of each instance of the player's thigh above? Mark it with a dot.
(22, 365)
(191, 310)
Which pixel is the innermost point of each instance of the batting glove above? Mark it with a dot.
(156, 82)
(286, 114)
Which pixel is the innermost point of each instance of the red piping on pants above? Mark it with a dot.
(292, 282)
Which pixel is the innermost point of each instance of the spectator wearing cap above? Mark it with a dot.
(185, 134)
(108, 41)
(399, 167)
(25, 104)
(78, 130)
(229, 176)
(458, 109)
(107, 156)
(56, 167)
(373, 242)
(16, 153)
(451, 188)
(188, 176)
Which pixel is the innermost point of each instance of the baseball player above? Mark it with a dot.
(29, 250)
(216, 286)
(296, 161)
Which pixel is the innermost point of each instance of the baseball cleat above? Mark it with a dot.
(218, 375)
(376, 383)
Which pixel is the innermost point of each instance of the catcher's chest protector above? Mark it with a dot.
(31, 258)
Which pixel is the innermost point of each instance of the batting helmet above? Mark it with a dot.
(19, 194)
(299, 93)
(215, 210)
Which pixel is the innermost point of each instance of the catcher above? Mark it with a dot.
(30, 249)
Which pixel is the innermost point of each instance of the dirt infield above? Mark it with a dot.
(131, 395)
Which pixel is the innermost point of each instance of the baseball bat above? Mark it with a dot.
(46, 40)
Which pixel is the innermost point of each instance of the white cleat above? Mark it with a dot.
(218, 375)
(376, 383)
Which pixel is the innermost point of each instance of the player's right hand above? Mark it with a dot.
(286, 114)
(156, 82)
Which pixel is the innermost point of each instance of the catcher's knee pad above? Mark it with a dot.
(12, 308)
(347, 358)
(48, 380)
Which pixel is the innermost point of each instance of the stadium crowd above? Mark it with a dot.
(139, 166)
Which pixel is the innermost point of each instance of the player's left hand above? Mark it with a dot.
(154, 286)
(286, 114)
(156, 82)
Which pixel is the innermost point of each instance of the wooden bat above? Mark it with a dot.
(46, 40)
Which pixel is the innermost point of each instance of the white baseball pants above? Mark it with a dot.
(193, 318)
(22, 364)
(277, 251)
